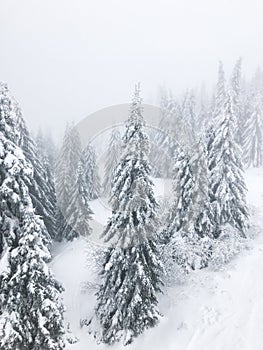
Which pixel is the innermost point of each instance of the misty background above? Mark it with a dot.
(66, 59)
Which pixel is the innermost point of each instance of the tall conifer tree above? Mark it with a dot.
(112, 159)
(227, 185)
(253, 132)
(74, 212)
(31, 312)
(131, 275)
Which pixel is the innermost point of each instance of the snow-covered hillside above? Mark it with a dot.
(219, 310)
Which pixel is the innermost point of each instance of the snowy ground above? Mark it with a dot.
(220, 310)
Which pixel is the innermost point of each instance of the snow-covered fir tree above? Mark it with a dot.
(190, 208)
(235, 86)
(168, 131)
(90, 172)
(189, 113)
(50, 149)
(257, 80)
(43, 149)
(48, 168)
(31, 312)
(253, 132)
(220, 93)
(203, 116)
(180, 212)
(41, 188)
(202, 221)
(202, 109)
(73, 213)
(227, 187)
(218, 102)
(187, 234)
(79, 210)
(131, 274)
(112, 159)
(47, 161)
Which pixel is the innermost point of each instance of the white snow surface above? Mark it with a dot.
(219, 310)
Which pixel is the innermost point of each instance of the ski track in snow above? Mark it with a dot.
(219, 310)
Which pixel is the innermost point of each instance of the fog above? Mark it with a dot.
(65, 59)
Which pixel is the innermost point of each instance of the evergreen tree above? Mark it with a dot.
(253, 132)
(203, 116)
(50, 150)
(166, 136)
(43, 150)
(126, 300)
(220, 93)
(189, 112)
(218, 102)
(90, 172)
(41, 188)
(112, 159)
(227, 186)
(235, 85)
(48, 169)
(202, 223)
(10, 157)
(65, 181)
(48, 175)
(74, 212)
(30, 308)
(180, 212)
(257, 80)
(79, 209)
(188, 232)
(190, 209)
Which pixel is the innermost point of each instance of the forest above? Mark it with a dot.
(204, 145)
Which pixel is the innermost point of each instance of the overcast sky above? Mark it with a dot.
(64, 59)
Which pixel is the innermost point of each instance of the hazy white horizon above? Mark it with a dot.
(66, 59)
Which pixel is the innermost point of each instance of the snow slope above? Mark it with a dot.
(219, 310)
